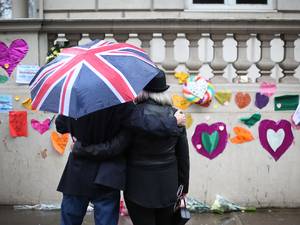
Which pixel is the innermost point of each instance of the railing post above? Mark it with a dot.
(100, 36)
(242, 64)
(193, 63)
(169, 63)
(145, 39)
(73, 38)
(265, 64)
(121, 37)
(218, 63)
(289, 64)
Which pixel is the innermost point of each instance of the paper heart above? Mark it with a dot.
(181, 76)
(261, 100)
(223, 97)
(268, 89)
(268, 138)
(12, 55)
(242, 135)
(41, 127)
(210, 141)
(198, 87)
(59, 141)
(180, 102)
(3, 79)
(274, 138)
(242, 99)
(213, 129)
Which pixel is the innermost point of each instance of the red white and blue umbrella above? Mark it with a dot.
(91, 77)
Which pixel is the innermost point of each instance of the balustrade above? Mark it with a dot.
(217, 33)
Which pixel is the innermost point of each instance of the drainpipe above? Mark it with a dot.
(19, 8)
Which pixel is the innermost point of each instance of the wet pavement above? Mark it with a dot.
(9, 216)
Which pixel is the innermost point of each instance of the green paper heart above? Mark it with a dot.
(3, 79)
(250, 121)
(210, 141)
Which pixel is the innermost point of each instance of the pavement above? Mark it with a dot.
(274, 216)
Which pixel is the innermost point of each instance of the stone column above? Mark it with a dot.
(265, 64)
(242, 64)
(289, 64)
(73, 38)
(121, 37)
(193, 63)
(218, 63)
(145, 38)
(169, 63)
(100, 36)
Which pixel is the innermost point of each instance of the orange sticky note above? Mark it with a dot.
(180, 102)
(59, 141)
(242, 135)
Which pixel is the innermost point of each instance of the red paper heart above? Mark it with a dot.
(242, 99)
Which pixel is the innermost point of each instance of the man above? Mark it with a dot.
(86, 180)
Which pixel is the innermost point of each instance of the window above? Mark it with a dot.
(5, 9)
(208, 1)
(237, 1)
(231, 5)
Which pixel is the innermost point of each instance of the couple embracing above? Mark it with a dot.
(140, 148)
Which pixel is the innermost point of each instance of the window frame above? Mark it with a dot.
(230, 5)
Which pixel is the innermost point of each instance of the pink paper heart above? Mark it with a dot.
(267, 89)
(41, 127)
(12, 55)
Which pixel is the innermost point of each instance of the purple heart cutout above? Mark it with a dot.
(12, 55)
(261, 100)
(223, 137)
(265, 125)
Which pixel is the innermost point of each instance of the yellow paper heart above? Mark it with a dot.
(181, 76)
(6, 65)
(180, 102)
(27, 103)
(223, 97)
(59, 141)
(17, 98)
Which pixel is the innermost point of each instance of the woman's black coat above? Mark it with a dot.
(156, 164)
(86, 177)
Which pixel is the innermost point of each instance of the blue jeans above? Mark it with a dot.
(106, 209)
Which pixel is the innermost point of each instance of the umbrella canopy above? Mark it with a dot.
(91, 77)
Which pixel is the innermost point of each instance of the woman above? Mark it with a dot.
(156, 164)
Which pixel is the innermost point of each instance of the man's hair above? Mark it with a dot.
(161, 98)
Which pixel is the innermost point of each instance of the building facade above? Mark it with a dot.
(236, 43)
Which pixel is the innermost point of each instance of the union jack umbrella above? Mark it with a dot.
(91, 77)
